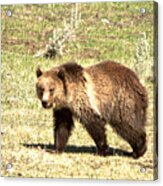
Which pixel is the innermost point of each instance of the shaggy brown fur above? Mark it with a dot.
(103, 93)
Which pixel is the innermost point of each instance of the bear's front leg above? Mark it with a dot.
(97, 132)
(63, 124)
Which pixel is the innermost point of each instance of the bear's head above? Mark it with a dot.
(51, 87)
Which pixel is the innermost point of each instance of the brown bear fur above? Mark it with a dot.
(103, 93)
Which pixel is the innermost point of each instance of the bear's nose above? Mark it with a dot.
(44, 104)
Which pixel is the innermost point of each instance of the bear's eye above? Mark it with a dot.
(51, 90)
(42, 89)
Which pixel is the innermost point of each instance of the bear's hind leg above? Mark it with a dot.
(63, 124)
(97, 132)
(135, 136)
(139, 147)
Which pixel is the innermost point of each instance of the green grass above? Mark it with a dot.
(24, 122)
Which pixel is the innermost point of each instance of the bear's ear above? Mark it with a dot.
(61, 74)
(39, 72)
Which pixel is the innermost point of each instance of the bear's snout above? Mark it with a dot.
(46, 104)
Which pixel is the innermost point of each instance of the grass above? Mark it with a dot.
(27, 129)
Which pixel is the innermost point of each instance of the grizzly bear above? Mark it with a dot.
(106, 92)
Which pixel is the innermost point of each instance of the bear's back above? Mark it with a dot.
(110, 71)
(113, 74)
(113, 82)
